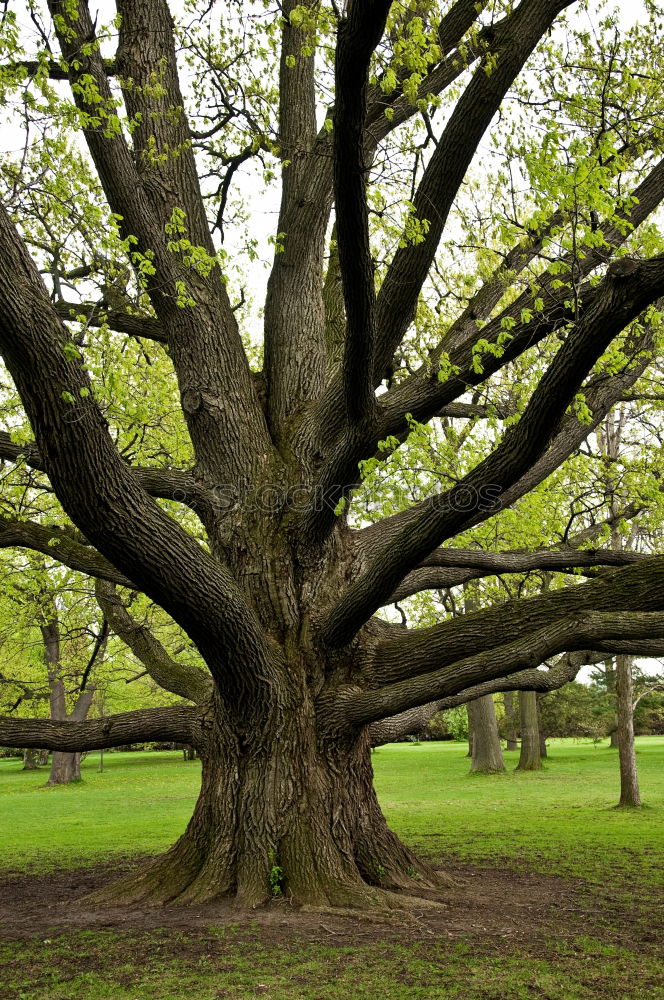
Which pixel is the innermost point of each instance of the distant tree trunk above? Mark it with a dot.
(542, 738)
(508, 699)
(42, 758)
(470, 732)
(629, 779)
(610, 674)
(529, 758)
(65, 767)
(30, 761)
(487, 753)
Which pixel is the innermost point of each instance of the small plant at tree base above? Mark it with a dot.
(378, 871)
(276, 875)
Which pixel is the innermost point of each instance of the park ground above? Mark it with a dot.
(556, 895)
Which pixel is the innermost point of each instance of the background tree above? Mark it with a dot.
(157, 459)
(529, 755)
(509, 731)
(487, 752)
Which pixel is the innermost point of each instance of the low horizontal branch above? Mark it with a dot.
(415, 719)
(596, 630)
(173, 723)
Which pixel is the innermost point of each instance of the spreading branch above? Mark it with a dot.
(98, 490)
(414, 720)
(56, 543)
(419, 651)
(619, 300)
(359, 34)
(175, 723)
(446, 568)
(608, 628)
(187, 681)
(167, 484)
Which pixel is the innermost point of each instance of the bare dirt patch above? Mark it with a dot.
(496, 904)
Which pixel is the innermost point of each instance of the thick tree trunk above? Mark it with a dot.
(510, 721)
(614, 742)
(30, 760)
(286, 814)
(629, 779)
(529, 758)
(487, 752)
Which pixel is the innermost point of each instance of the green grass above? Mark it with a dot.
(138, 805)
(242, 966)
(559, 821)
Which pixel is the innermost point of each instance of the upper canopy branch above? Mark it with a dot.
(387, 111)
(148, 189)
(295, 355)
(513, 42)
(358, 35)
(123, 322)
(423, 394)
(618, 301)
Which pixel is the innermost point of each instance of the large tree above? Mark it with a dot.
(248, 547)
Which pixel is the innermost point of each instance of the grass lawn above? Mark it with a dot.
(555, 830)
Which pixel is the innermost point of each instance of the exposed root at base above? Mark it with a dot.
(445, 879)
(166, 884)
